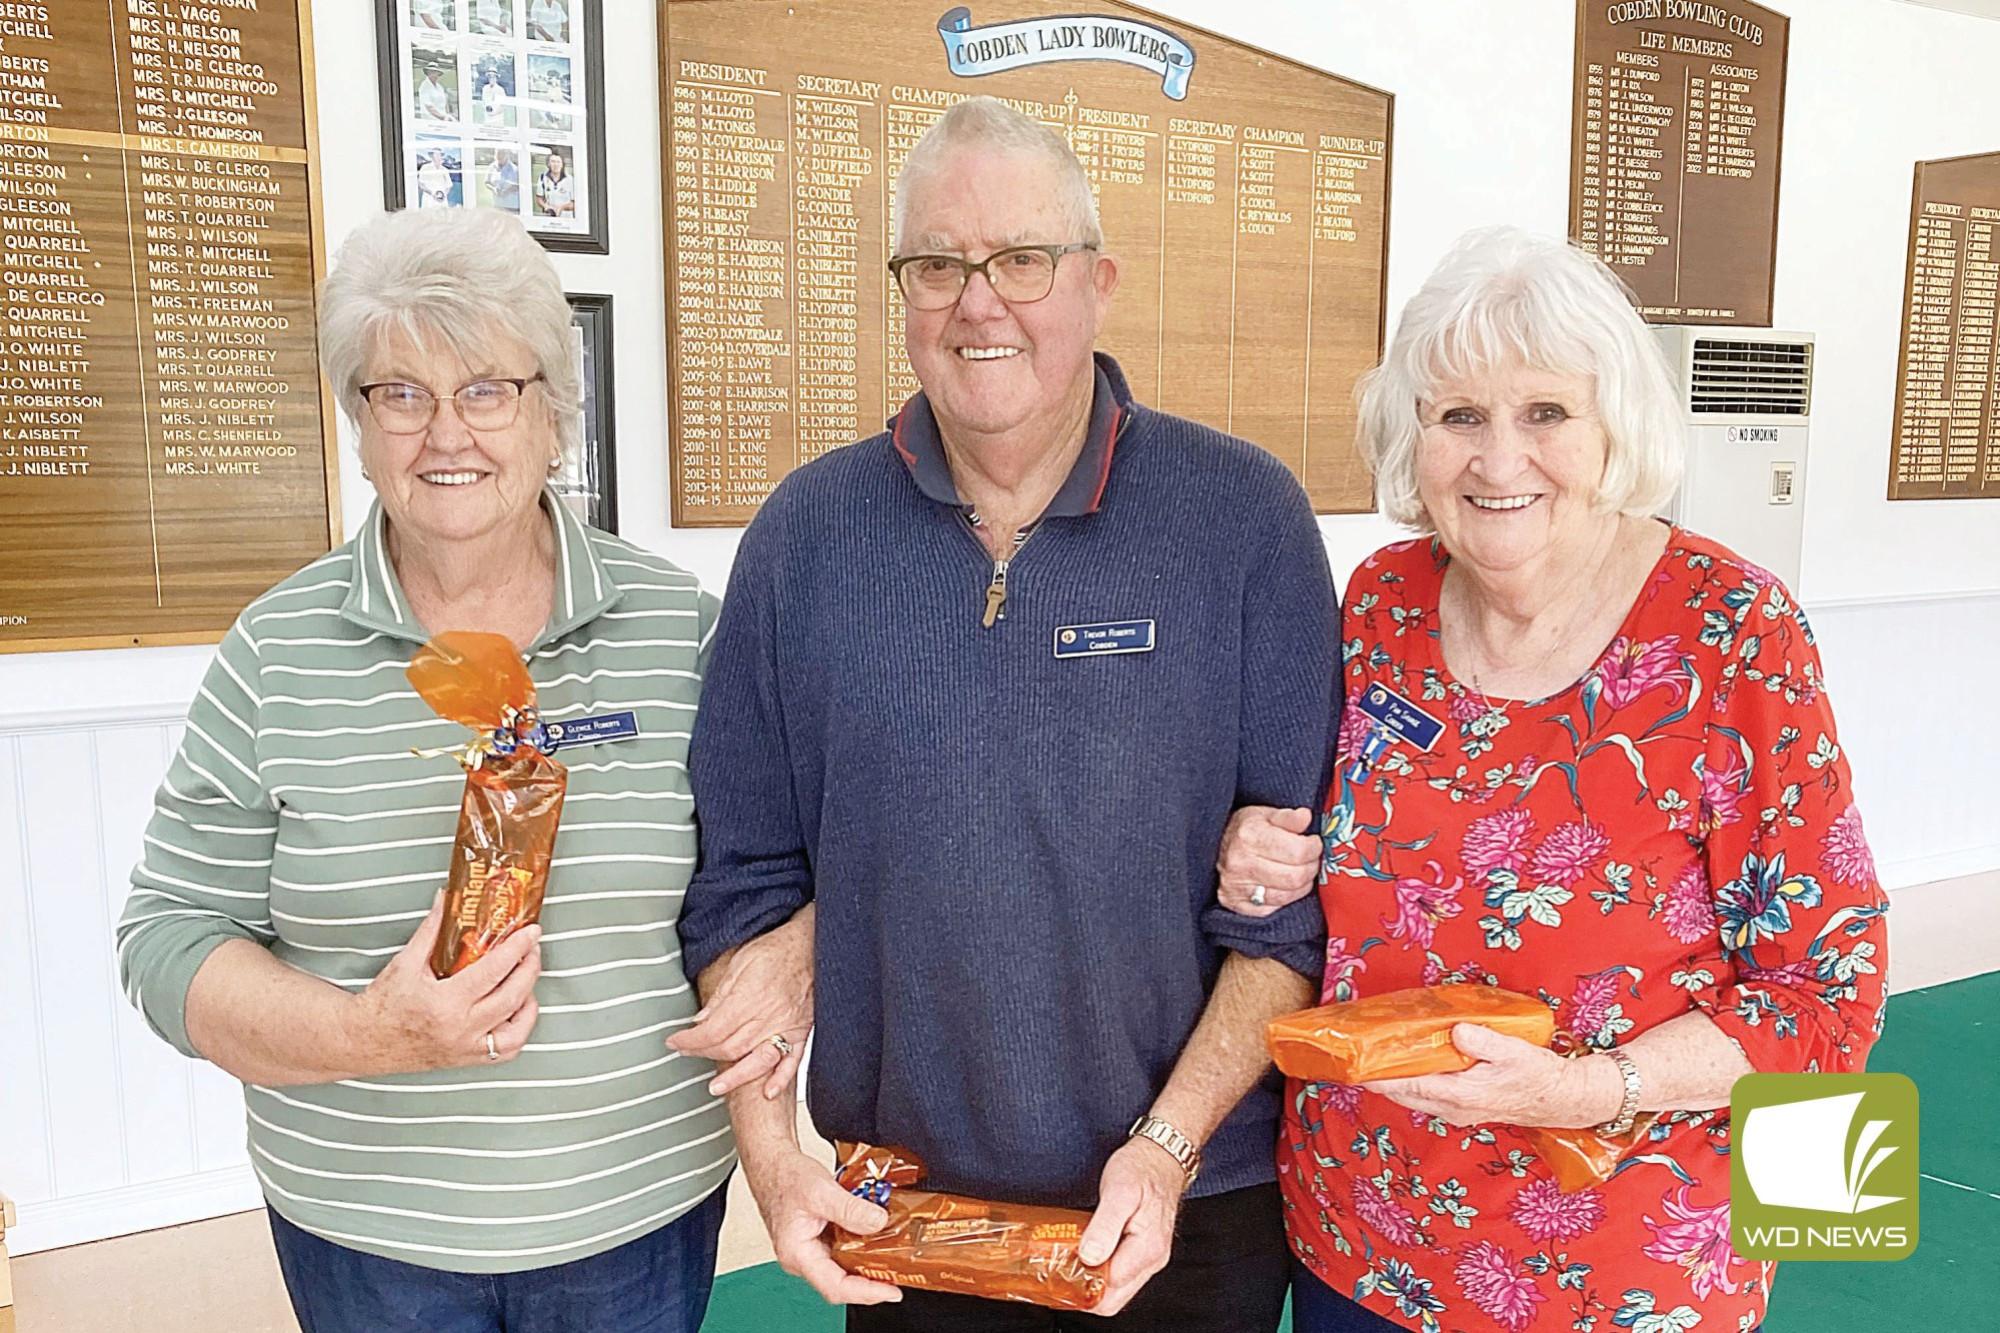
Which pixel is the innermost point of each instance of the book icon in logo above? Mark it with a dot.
(1798, 1155)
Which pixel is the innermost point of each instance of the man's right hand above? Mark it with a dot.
(408, 1021)
(800, 1199)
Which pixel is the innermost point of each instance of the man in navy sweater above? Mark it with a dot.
(983, 695)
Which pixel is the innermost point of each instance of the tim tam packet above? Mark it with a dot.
(513, 792)
(945, 1242)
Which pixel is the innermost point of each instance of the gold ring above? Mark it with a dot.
(492, 1051)
(782, 1042)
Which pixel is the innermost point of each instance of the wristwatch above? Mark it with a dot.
(1628, 1109)
(1176, 1143)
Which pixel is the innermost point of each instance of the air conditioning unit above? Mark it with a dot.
(1746, 405)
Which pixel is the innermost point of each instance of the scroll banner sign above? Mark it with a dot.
(1004, 46)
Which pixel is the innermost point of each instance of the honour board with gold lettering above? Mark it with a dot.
(1678, 119)
(1947, 432)
(1246, 195)
(164, 446)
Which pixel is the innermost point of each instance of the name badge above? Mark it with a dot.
(1399, 716)
(592, 730)
(1116, 636)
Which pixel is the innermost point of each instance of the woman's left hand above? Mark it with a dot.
(1515, 1083)
(766, 992)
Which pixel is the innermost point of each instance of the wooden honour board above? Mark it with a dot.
(1947, 440)
(1251, 217)
(164, 451)
(1678, 115)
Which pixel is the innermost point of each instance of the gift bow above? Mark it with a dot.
(519, 726)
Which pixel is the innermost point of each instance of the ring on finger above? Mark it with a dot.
(782, 1042)
(1257, 893)
(492, 1051)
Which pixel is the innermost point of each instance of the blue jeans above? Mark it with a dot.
(658, 1283)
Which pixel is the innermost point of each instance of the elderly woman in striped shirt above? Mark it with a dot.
(512, 1147)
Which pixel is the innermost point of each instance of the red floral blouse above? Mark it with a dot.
(1675, 831)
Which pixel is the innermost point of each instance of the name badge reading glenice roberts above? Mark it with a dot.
(592, 730)
(1113, 636)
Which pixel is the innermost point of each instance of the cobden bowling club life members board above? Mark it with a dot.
(1678, 115)
(1947, 443)
(162, 457)
(1245, 194)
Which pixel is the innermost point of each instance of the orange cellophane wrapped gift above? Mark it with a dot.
(1580, 1158)
(513, 793)
(1407, 1034)
(1400, 1034)
(945, 1242)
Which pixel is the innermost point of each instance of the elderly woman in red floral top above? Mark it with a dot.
(1628, 799)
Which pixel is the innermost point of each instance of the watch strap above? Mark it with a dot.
(1178, 1145)
(1628, 1108)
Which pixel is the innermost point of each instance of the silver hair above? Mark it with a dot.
(988, 122)
(465, 277)
(1501, 296)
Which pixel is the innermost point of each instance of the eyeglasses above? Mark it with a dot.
(407, 409)
(1019, 275)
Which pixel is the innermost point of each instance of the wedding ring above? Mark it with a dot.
(782, 1042)
(1257, 895)
(492, 1051)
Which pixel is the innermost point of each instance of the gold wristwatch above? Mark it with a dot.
(1176, 1143)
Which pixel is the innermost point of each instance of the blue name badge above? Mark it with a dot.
(1401, 717)
(1115, 636)
(592, 730)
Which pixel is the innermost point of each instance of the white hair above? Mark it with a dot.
(1507, 296)
(988, 122)
(464, 277)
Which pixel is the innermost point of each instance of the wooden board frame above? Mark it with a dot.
(595, 241)
(329, 427)
(1896, 488)
(680, 515)
(1759, 315)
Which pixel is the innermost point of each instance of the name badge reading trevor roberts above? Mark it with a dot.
(1398, 715)
(1107, 639)
(592, 730)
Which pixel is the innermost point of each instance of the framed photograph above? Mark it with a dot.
(497, 104)
(589, 485)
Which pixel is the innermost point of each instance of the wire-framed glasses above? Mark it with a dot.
(407, 409)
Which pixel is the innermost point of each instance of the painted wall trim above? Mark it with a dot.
(82, 1218)
(25, 722)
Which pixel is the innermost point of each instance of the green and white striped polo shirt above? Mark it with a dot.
(296, 815)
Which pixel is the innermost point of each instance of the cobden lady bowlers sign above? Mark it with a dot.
(975, 51)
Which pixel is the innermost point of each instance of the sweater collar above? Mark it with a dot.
(376, 600)
(914, 431)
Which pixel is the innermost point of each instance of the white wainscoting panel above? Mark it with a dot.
(104, 1128)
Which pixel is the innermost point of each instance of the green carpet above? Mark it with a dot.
(1947, 1039)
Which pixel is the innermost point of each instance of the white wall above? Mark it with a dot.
(103, 1130)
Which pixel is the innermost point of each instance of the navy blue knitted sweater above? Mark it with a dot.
(1013, 852)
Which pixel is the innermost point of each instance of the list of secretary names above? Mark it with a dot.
(742, 375)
